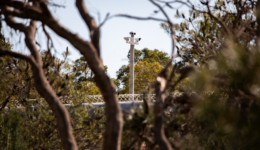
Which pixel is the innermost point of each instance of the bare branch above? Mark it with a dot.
(140, 18)
(171, 29)
(90, 22)
(28, 31)
(106, 18)
(17, 26)
(191, 6)
(178, 1)
(4, 52)
(48, 38)
(29, 41)
(46, 91)
(55, 5)
(164, 13)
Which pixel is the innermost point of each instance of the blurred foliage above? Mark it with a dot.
(35, 127)
(227, 101)
(200, 37)
(10, 131)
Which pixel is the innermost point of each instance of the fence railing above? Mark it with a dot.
(121, 97)
(100, 99)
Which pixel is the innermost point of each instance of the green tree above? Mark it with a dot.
(84, 78)
(146, 74)
(150, 56)
(148, 63)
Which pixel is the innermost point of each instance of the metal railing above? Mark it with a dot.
(100, 99)
(121, 98)
(125, 100)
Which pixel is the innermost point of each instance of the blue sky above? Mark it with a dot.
(114, 49)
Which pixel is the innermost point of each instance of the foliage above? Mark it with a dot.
(84, 78)
(146, 74)
(150, 56)
(200, 37)
(10, 131)
(37, 123)
(117, 83)
(218, 108)
(38, 126)
(148, 63)
(231, 109)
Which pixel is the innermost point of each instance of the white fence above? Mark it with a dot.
(124, 97)
(99, 98)
(121, 98)
(125, 100)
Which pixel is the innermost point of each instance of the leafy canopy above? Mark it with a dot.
(148, 63)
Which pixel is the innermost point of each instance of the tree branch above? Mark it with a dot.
(227, 31)
(28, 31)
(30, 59)
(90, 22)
(106, 18)
(159, 135)
(140, 18)
(11, 22)
(48, 38)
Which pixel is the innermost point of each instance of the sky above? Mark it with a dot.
(114, 48)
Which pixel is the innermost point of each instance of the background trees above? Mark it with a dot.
(217, 109)
(148, 63)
